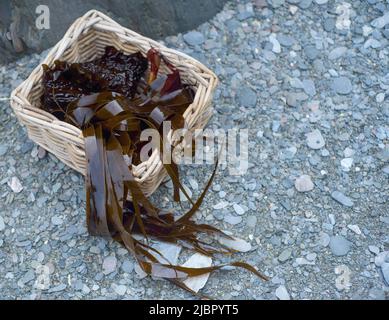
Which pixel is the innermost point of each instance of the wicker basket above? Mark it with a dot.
(85, 40)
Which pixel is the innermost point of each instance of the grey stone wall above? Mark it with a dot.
(153, 18)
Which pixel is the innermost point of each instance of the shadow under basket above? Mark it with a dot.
(84, 41)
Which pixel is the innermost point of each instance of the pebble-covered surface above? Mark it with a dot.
(310, 80)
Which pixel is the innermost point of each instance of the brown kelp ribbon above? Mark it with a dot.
(111, 124)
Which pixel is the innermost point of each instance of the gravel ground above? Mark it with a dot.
(310, 80)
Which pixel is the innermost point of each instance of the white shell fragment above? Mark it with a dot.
(15, 185)
(235, 244)
(169, 252)
(197, 261)
(282, 293)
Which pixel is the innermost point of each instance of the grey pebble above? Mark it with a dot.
(381, 258)
(286, 40)
(304, 4)
(372, 43)
(233, 220)
(376, 294)
(27, 146)
(28, 276)
(285, 255)
(41, 152)
(384, 220)
(311, 256)
(309, 87)
(238, 209)
(57, 288)
(56, 220)
(2, 224)
(127, 266)
(329, 24)
(311, 52)
(276, 3)
(342, 85)
(109, 264)
(374, 249)
(120, 289)
(339, 245)
(288, 153)
(194, 38)
(296, 83)
(337, 53)
(3, 150)
(251, 221)
(381, 22)
(293, 1)
(315, 140)
(247, 97)
(342, 199)
(293, 99)
(222, 194)
(276, 47)
(304, 183)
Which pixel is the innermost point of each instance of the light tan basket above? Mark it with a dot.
(85, 40)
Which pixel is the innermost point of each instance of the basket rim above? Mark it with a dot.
(92, 18)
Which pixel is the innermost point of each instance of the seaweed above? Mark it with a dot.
(111, 99)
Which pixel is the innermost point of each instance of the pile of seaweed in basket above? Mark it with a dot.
(112, 99)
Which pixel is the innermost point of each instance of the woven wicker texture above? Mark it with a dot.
(86, 40)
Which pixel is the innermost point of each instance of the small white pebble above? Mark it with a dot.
(221, 205)
(354, 228)
(348, 152)
(15, 185)
(346, 164)
(260, 134)
(109, 264)
(238, 209)
(304, 183)
(293, 9)
(380, 97)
